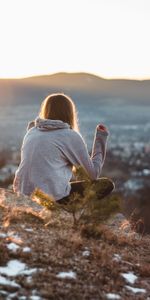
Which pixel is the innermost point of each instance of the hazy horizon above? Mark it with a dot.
(78, 72)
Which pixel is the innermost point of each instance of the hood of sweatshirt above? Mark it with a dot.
(47, 124)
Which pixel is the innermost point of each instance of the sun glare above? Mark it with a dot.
(105, 37)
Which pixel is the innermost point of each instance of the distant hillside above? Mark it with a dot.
(81, 86)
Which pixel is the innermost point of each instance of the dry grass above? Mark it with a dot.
(88, 250)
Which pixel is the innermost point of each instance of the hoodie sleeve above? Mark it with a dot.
(77, 153)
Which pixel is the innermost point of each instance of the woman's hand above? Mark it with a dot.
(102, 128)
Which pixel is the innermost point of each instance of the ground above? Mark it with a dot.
(44, 256)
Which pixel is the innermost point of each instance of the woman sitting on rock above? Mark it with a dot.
(52, 146)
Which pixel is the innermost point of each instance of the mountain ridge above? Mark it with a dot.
(35, 87)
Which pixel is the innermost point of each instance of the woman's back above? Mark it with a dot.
(43, 163)
(53, 146)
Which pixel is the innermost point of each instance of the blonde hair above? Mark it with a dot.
(60, 107)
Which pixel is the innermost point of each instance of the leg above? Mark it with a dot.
(103, 187)
(76, 187)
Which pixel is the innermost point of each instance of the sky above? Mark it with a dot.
(109, 38)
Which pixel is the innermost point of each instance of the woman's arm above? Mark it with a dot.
(77, 152)
(99, 148)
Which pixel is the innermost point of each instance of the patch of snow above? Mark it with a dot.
(130, 277)
(22, 226)
(29, 271)
(3, 293)
(86, 253)
(69, 274)
(29, 229)
(135, 290)
(117, 257)
(5, 281)
(26, 249)
(15, 268)
(112, 296)
(13, 247)
(35, 297)
(29, 279)
(12, 296)
(3, 235)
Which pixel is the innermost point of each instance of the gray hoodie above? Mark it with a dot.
(49, 151)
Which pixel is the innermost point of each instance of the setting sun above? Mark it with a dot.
(105, 37)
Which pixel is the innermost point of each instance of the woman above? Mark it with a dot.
(52, 146)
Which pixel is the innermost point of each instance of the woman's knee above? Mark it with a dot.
(106, 183)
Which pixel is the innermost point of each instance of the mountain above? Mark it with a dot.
(81, 86)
